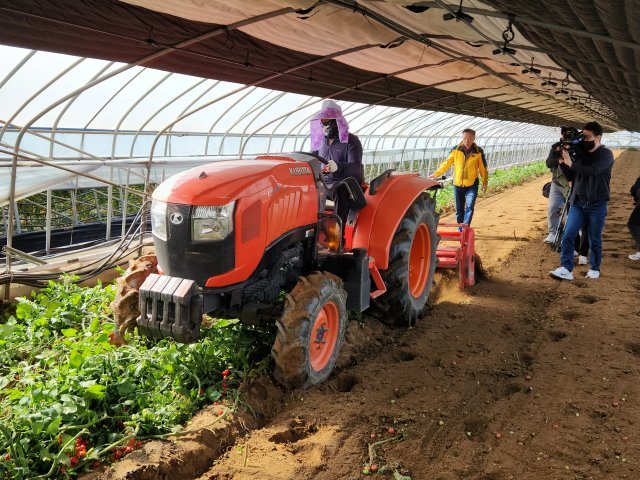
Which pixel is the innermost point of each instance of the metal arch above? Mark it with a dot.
(140, 98)
(260, 110)
(68, 105)
(255, 83)
(401, 124)
(193, 102)
(122, 87)
(154, 114)
(36, 94)
(289, 133)
(383, 134)
(49, 139)
(259, 105)
(248, 92)
(448, 51)
(413, 126)
(143, 60)
(18, 66)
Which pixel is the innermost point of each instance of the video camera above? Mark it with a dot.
(568, 136)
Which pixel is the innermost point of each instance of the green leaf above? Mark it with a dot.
(24, 309)
(53, 427)
(212, 394)
(45, 456)
(69, 332)
(6, 330)
(125, 388)
(75, 359)
(96, 391)
(37, 427)
(398, 476)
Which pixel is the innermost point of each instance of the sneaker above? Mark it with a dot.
(550, 239)
(576, 254)
(593, 274)
(562, 273)
(582, 260)
(635, 256)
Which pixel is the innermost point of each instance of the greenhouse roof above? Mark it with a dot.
(548, 62)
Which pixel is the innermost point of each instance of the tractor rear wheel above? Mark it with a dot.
(310, 331)
(412, 262)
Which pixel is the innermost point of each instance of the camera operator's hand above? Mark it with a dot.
(566, 158)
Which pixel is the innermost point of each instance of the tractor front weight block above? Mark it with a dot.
(170, 307)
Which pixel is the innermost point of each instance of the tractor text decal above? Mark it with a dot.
(300, 170)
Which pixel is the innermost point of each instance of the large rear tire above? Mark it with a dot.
(412, 263)
(310, 331)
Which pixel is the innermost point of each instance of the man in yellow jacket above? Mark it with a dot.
(468, 162)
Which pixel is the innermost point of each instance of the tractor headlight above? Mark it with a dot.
(212, 223)
(159, 219)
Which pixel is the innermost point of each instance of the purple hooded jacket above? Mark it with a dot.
(347, 153)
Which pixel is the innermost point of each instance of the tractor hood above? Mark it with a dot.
(221, 182)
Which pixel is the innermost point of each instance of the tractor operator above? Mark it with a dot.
(330, 138)
(468, 162)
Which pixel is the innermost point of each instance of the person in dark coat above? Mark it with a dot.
(590, 172)
(330, 138)
(634, 219)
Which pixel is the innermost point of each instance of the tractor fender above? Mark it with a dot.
(378, 221)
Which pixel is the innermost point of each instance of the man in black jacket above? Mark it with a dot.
(634, 219)
(590, 172)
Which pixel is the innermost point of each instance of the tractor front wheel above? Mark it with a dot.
(412, 262)
(310, 331)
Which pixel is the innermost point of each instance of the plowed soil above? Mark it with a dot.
(518, 377)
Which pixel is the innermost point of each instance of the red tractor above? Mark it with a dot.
(232, 236)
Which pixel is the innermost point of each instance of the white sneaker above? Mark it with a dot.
(635, 256)
(593, 274)
(575, 254)
(582, 260)
(562, 273)
(550, 239)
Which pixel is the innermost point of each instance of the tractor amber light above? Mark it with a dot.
(212, 222)
(334, 236)
(159, 219)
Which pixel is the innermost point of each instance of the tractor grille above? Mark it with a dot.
(179, 256)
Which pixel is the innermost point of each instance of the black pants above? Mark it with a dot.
(634, 226)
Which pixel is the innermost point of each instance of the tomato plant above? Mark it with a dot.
(70, 400)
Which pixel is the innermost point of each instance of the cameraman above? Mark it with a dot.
(559, 183)
(590, 172)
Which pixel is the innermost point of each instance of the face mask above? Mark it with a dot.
(588, 146)
(331, 129)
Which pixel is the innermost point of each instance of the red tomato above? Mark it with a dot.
(391, 430)
(74, 461)
(373, 468)
(7, 457)
(226, 373)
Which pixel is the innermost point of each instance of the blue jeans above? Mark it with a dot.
(554, 209)
(594, 215)
(465, 201)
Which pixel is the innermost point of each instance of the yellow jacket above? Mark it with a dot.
(465, 168)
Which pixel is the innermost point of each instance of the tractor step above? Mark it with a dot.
(170, 307)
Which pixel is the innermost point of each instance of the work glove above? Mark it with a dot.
(332, 166)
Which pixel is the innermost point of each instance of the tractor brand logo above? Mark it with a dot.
(176, 218)
(300, 170)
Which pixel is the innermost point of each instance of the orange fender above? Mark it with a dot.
(378, 221)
